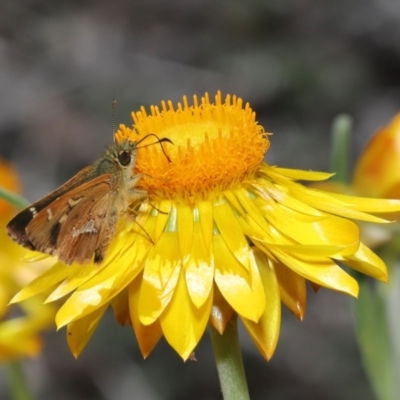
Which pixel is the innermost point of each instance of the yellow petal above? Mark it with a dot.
(268, 191)
(79, 332)
(252, 229)
(231, 196)
(240, 288)
(185, 231)
(4, 299)
(160, 276)
(146, 335)
(336, 204)
(206, 219)
(199, 272)
(105, 285)
(76, 278)
(367, 262)
(231, 232)
(253, 212)
(292, 289)
(37, 317)
(19, 346)
(370, 205)
(162, 218)
(300, 175)
(346, 206)
(317, 251)
(82, 273)
(332, 230)
(265, 332)
(47, 280)
(324, 272)
(143, 214)
(183, 324)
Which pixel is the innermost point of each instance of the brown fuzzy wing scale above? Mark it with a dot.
(79, 224)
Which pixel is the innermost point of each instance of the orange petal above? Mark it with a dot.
(221, 311)
(120, 307)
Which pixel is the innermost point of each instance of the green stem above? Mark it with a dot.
(18, 384)
(14, 199)
(229, 362)
(341, 133)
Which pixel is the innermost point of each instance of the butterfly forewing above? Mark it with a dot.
(16, 227)
(70, 227)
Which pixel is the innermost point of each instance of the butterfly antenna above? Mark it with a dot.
(159, 141)
(113, 108)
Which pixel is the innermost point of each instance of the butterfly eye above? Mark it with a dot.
(124, 158)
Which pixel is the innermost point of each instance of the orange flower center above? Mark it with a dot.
(215, 146)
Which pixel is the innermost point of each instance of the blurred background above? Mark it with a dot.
(298, 63)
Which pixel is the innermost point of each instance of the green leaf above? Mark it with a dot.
(374, 338)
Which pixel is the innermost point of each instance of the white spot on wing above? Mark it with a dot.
(88, 228)
(73, 203)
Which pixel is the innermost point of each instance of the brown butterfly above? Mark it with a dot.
(77, 221)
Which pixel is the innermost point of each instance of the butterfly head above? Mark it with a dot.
(118, 157)
(125, 153)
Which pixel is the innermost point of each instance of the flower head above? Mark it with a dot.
(377, 171)
(19, 335)
(222, 232)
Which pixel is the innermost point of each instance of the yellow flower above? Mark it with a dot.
(222, 232)
(19, 336)
(377, 172)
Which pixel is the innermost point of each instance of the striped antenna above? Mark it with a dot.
(113, 108)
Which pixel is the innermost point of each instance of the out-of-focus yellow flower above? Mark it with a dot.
(229, 234)
(377, 172)
(19, 326)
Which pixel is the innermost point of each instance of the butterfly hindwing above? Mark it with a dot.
(80, 238)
